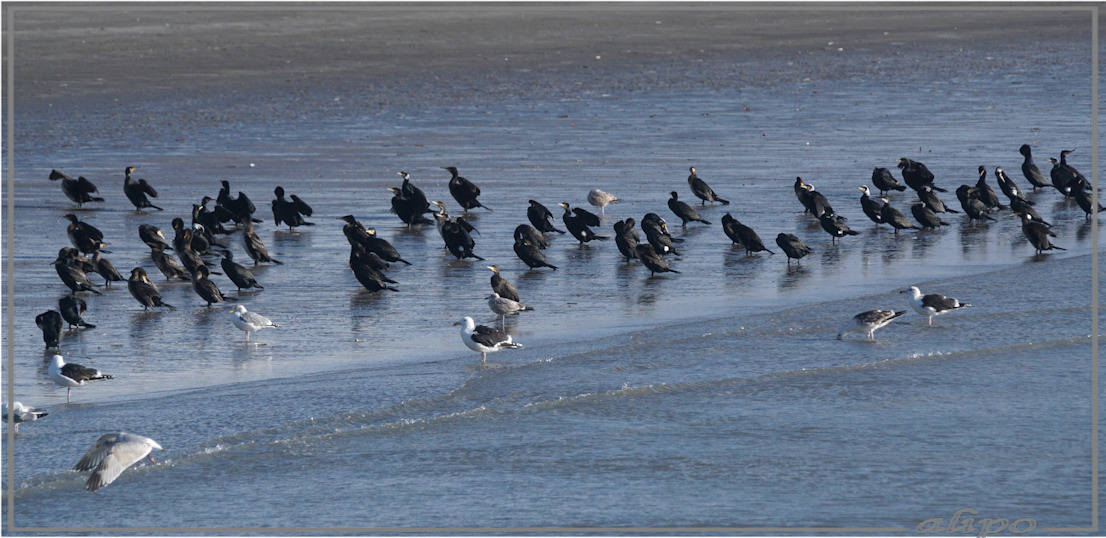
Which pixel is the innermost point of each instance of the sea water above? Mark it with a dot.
(716, 397)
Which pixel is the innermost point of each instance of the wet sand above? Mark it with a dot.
(65, 55)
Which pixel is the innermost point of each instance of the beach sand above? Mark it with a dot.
(65, 54)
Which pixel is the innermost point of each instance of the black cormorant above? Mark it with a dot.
(973, 207)
(144, 291)
(86, 237)
(626, 238)
(835, 227)
(136, 191)
(71, 274)
(884, 181)
(169, 266)
(290, 212)
(1029, 169)
(382, 248)
(50, 322)
(895, 218)
(1037, 233)
(464, 191)
(530, 254)
(684, 211)
(72, 308)
(1069, 169)
(987, 195)
(205, 288)
(241, 208)
(870, 206)
(152, 236)
(541, 218)
(409, 211)
(792, 246)
(371, 279)
(916, 175)
(1060, 179)
(742, 235)
(703, 191)
(241, 276)
(502, 286)
(212, 219)
(656, 232)
(932, 201)
(1085, 197)
(354, 231)
(254, 247)
(528, 233)
(1009, 188)
(1018, 205)
(815, 202)
(925, 216)
(105, 269)
(651, 260)
(578, 220)
(79, 190)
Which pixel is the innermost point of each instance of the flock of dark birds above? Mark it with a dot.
(370, 255)
(198, 243)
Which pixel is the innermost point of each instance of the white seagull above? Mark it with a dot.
(249, 321)
(932, 304)
(504, 306)
(72, 375)
(22, 414)
(601, 199)
(868, 322)
(483, 339)
(111, 454)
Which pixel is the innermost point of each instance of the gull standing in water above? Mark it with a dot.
(601, 199)
(504, 306)
(71, 375)
(483, 339)
(868, 322)
(111, 455)
(249, 321)
(20, 413)
(932, 304)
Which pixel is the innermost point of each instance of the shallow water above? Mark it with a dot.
(713, 397)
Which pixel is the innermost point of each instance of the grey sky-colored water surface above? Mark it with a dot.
(715, 398)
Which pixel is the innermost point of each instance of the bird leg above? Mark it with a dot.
(483, 358)
(68, 391)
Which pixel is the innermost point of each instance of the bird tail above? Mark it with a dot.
(93, 290)
(278, 262)
(389, 288)
(722, 200)
(1058, 247)
(704, 221)
(512, 345)
(558, 231)
(86, 325)
(951, 210)
(554, 267)
(938, 189)
(899, 188)
(404, 261)
(600, 237)
(96, 199)
(157, 208)
(852, 232)
(673, 271)
(992, 219)
(482, 205)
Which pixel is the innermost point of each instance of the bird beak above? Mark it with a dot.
(456, 323)
(151, 458)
